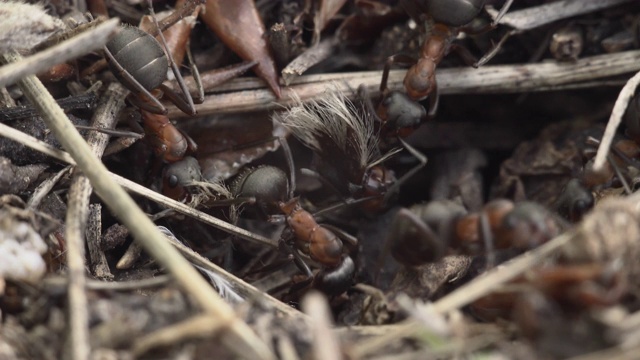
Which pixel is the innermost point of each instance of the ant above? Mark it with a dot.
(444, 20)
(272, 193)
(342, 137)
(140, 63)
(268, 190)
(423, 233)
(593, 269)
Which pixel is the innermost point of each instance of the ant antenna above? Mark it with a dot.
(174, 67)
(422, 163)
(289, 158)
(502, 12)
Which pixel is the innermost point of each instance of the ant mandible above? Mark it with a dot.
(444, 20)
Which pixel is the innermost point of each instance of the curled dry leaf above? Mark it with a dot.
(240, 27)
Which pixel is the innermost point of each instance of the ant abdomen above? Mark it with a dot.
(452, 12)
(268, 185)
(337, 280)
(141, 56)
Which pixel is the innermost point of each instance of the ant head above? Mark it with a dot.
(178, 176)
(377, 180)
(574, 201)
(145, 62)
(413, 242)
(267, 184)
(400, 113)
(452, 12)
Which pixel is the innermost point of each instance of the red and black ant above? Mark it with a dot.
(140, 63)
(424, 233)
(268, 190)
(444, 20)
(593, 269)
(272, 194)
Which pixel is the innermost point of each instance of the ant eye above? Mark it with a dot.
(173, 181)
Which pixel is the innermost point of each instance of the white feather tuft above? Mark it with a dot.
(334, 116)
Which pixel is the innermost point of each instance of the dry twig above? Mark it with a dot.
(536, 16)
(544, 76)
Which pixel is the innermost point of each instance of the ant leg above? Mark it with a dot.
(152, 108)
(116, 133)
(344, 203)
(199, 99)
(325, 182)
(394, 59)
(464, 54)
(489, 55)
(141, 90)
(297, 259)
(492, 25)
(418, 155)
(191, 110)
(472, 61)
(187, 9)
(503, 11)
(434, 101)
(289, 157)
(487, 237)
(347, 239)
(616, 168)
(174, 97)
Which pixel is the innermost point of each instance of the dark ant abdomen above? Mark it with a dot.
(141, 55)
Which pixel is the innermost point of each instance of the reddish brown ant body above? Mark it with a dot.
(594, 269)
(423, 233)
(139, 62)
(269, 188)
(444, 20)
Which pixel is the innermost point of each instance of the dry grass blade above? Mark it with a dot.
(238, 336)
(325, 345)
(76, 223)
(138, 189)
(617, 113)
(199, 326)
(71, 49)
